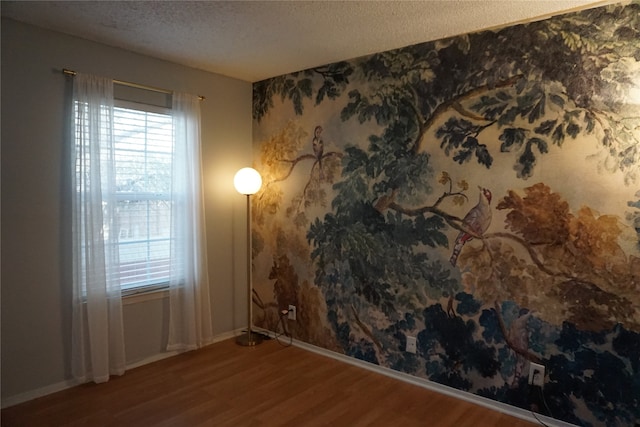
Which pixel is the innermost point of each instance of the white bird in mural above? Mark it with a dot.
(477, 220)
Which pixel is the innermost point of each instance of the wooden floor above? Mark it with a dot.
(268, 385)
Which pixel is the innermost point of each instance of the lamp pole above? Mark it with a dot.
(248, 181)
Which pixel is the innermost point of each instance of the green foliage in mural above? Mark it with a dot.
(298, 86)
(539, 84)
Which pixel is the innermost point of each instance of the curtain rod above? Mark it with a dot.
(134, 85)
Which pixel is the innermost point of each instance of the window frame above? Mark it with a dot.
(145, 286)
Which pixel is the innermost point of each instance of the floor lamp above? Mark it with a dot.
(248, 181)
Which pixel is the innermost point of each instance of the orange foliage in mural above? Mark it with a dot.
(560, 264)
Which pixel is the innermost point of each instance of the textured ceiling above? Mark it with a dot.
(254, 40)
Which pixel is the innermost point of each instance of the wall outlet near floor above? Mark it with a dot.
(292, 312)
(411, 345)
(536, 374)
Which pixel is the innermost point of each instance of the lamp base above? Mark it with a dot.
(249, 339)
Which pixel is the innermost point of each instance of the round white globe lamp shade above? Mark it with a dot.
(247, 181)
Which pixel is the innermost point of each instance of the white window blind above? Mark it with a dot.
(143, 153)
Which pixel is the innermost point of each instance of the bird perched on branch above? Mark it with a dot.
(477, 221)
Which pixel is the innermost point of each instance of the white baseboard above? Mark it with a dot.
(63, 385)
(424, 383)
(151, 359)
(34, 394)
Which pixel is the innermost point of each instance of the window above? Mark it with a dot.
(143, 142)
(143, 152)
(137, 219)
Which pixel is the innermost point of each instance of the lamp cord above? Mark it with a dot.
(285, 332)
(544, 401)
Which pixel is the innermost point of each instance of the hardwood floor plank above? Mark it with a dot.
(268, 385)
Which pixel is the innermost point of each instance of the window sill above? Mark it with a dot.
(145, 296)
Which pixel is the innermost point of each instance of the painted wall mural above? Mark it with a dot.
(480, 193)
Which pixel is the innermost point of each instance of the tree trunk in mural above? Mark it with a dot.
(366, 218)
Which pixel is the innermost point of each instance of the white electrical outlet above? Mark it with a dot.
(536, 374)
(292, 312)
(411, 345)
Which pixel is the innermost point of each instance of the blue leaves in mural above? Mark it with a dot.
(512, 137)
(596, 376)
(627, 345)
(582, 367)
(467, 306)
(460, 135)
(298, 86)
(462, 351)
(335, 77)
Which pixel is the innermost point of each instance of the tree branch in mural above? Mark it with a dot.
(563, 277)
(456, 104)
(366, 329)
(268, 316)
(287, 290)
(459, 197)
(280, 155)
(293, 163)
(575, 258)
(570, 85)
(521, 350)
(529, 110)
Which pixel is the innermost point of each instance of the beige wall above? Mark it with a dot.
(35, 245)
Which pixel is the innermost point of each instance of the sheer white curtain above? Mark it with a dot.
(97, 336)
(190, 324)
